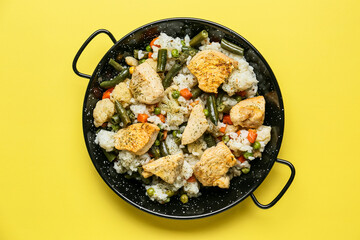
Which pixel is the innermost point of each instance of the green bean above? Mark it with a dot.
(109, 155)
(145, 53)
(211, 106)
(148, 48)
(191, 51)
(177, 140)
(183, 42)
(245, 170)
(150, 192)
(198, 38)
(155, 152)
(118, 79)
(219, 98)
(231, 47)
(115, 127)
(209, 140)
(160, 136)
(115, 119)
(122, 113)
(224, 108)
(175, 69)
(184, 198)
(175, 53)
(175, 133)
(196, 92)
(161, 60)
(256, 145)
(157, 142)
(130, 114)
(116, 65)
(164, 149)
(141, 61)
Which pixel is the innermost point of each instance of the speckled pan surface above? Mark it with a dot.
(213, 200)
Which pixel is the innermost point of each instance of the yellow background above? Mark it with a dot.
(49, 187)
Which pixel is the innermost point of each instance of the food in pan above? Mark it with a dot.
(181, 114)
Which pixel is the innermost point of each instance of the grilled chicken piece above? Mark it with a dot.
(249, 113)
(146, 84)
(196, 125)
(103, 111)
(213, 165)
(167, 168)
(211, 68)
(137, 138)
(152, 63)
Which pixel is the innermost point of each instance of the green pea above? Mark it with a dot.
(256, 145)
(142, 61)
(183, 42)
(150, 192)
(175, 94)
(169, 193)
(238, 98)
(148, 48)
(206, 112)
(247, 155)
(184, 198)
(175, 53)
(157, 143)
(226, 138)
(245, 170)
(157, 111)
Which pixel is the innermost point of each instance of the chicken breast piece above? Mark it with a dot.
(196, 126)
(249, 113)
(137, 138)
(103, 111)
(211, 68)
(213, 165)
(152, 63)
(121, 93)
(146, 84)
(167, 168)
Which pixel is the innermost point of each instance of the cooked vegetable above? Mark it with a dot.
(116, 65)
(155, 151)
(194, 103)
(164, 149)
(148, 48)
(183, 42)
(252, 135)
(161, 60)
(152, 43)
(169, 193)
(122, 113)
(131, 70)
(116, 80)
(157, 143)
(231, 47)
(206, 112)
(226, 138)
(171, 74)
(184, 198)
(165, 135)
(209, 140)
(191, 179)
(175, 94)
(227, 120)
(142, 118)
(238, 98)
(245, 170)
(196, 92)
(256, 145)
(109, 155)
(241, 159)
(198, 38)
(185, 93)
(211, 106)
(219, 98)
(247, 155)
(150, 192)
(145, 54)
(141, 61)
(223, 108)
(107, 93)
(157, 111)
(175, 53)
(130, 114)
(162, 118)
(115, 127)
(115, 119)
(222, 129)
(150, 55)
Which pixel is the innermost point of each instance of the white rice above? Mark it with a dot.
(105, 139)
(129, 162)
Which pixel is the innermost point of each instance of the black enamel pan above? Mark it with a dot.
(213, 200)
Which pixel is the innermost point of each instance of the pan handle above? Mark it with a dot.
(92, 36)
(287, 185)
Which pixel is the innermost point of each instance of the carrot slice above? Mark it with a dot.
(152, 43)
(191, 179)
(241, 159)
(222, 129)
(185, 93)
(142, 118)
(162, 117)
(107, 93)
(252, 135)
(227, 120)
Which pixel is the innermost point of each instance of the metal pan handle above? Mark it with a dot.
(287, 185)
(92, 36)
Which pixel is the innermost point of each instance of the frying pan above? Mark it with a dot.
(212, 200)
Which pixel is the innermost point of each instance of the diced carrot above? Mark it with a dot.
(162, 117)
(241, 159)
(153, 41)
(194, 103)
(185, 93)
(191, 179)
(107, 93)
(238, 133)
(222, 129)
(150, 55)
(142, 118)
(252, 135)
(227, 120)
(165, 134)
(242, 93)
